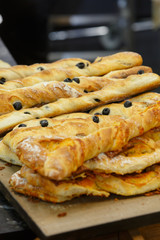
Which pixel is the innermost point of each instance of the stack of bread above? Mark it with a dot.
(81, 128)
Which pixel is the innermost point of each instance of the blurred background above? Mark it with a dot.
(47, 30)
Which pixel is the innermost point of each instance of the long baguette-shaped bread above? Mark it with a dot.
(58, 151)
(100, 66)
(120, 89)
(46, 92)
(21, 71)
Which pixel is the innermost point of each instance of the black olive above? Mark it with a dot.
(85, 91)
(97, 113)
(44, 123)
(67, 80)
(95, 119)
(37, 117)
(140, 71)
(27, 113)
(40, 68)
(97, 100)
(22, 125)
(17, 105)
(76, 80)
(2, 80)
(80, 65)
(127, 104)
(106, 111)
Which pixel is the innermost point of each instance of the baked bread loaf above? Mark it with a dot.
(58, 151)
(118, 90)
(129, 185)
(99, 67)
(30, 183)
(46, 92)
(21, 71)
(138, 154)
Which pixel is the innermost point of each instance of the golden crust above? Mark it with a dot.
(99, 67)
(7, 155)
(138, 154)
(30, 183)
(21, 71)
(46, 92)
(118, 90)
(129, 185)
(124, 73)
(58, 150)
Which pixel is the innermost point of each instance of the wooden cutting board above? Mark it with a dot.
(53, 221)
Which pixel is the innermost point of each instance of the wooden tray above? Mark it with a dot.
(54, 221)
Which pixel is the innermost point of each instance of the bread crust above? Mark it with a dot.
(118, 90)
(129, 185)
(99, 67)
(28, 182)
(46, 92)
(53, 191)
(138, 154)
(4, 64)
(21, 71)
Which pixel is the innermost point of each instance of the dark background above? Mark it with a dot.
(26, 25)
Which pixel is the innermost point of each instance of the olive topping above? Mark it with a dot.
(22, 125)
(37, 117)
(95, 119)
(17, 105)
(44, 123)
(140, 71)
(97, 113)
(40, 68)
(106, 111)
(97, 100)
(27, 113)
(67, 80)
(80, 65)
(76, 80)
(85, 91)
(127, 104)
(2, 80)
